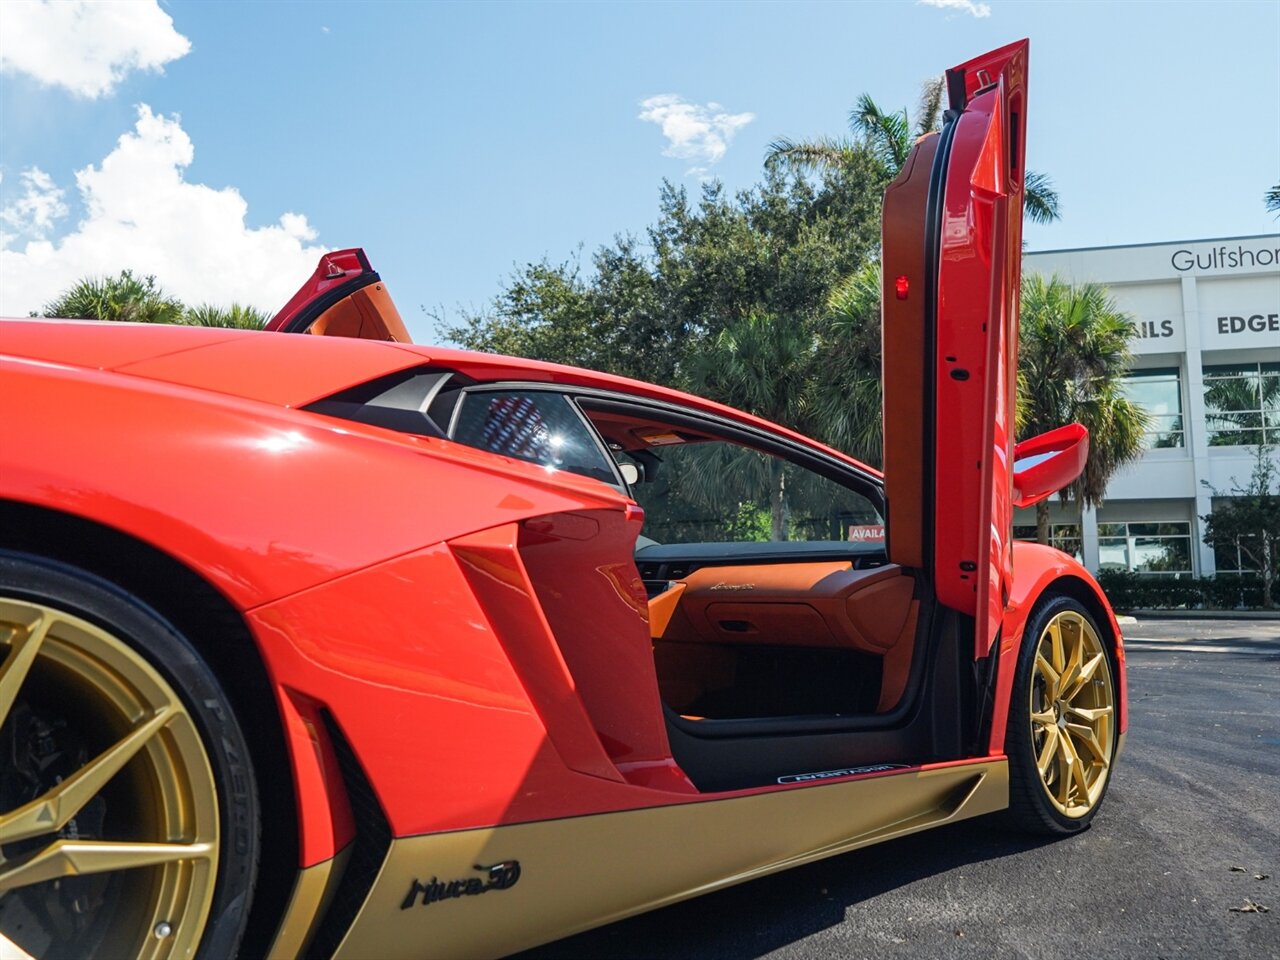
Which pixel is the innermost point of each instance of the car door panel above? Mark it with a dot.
(952, 257)
(344, 297)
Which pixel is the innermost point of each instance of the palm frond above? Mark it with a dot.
(125, 298)
(929, 109)
(1040, 201)
(823, 153)
(888, 135)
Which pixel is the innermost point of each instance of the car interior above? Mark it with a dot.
(783, 639)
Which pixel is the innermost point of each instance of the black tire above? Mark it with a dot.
(144, 632)
(1032, 806)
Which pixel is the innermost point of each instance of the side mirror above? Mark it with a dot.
(648, 464)
(1045, 464)
(630, 473)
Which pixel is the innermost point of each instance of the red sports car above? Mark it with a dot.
(336, 645)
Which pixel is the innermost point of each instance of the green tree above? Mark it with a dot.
(125, 297)
(544, 313)
(1248, 520)
(644, 308)
(1073, 354)
(887, 137)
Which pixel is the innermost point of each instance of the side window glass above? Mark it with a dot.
(714, 491)
(542, 427)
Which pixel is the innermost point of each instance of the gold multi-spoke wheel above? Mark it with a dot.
(110, 817)
(1072, 712)
(1062, 726)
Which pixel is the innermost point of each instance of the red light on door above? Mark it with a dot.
(900, 287)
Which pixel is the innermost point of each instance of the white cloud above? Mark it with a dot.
(87, 47)
(979, 10)
(697, 132)
(33, 214)
(142, 215)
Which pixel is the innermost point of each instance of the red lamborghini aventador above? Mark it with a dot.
(334, 645)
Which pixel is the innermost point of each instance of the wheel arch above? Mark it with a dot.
(1042, 571)
(202, 614)
(1089, 596)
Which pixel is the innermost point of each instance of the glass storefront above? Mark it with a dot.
(1159, 548)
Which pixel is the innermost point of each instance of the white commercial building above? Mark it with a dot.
(1206, 367)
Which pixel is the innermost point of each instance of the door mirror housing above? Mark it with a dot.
(1046, 463)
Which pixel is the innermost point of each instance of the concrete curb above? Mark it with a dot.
(1137, 615)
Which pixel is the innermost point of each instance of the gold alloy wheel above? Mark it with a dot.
(1072, 714)
(108, 808)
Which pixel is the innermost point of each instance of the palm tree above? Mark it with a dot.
(133, 299)
(1272, 198)
(844, 409)
(760, 364)
(888, 137)
(235, 316)
(1073, 354)
(125, 298)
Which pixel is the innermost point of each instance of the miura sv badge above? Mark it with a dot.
(499, 876)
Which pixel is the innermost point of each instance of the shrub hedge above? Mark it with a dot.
(1136, 591)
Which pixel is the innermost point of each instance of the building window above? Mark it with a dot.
(1159, 393)
(1062, 536)
(1242, 403)
(1161, 549)
(1229, 558)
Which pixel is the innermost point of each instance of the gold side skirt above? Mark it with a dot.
(490, 892)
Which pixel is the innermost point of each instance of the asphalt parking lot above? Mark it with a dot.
(1188, 839)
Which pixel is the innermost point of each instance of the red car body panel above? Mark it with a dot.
(100, 346)
(516, 743)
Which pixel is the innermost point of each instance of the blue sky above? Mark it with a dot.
(458, 141)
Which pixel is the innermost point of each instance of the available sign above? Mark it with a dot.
(867, 533)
